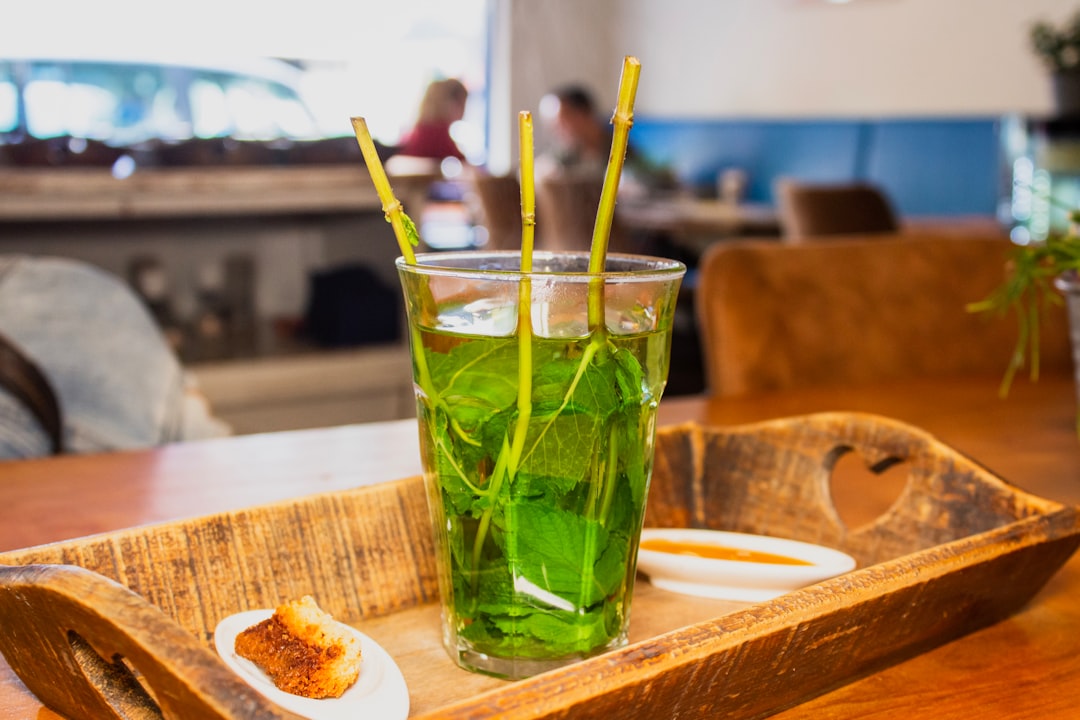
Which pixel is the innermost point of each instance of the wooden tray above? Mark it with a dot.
(960, 549)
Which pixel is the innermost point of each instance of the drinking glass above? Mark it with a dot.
(536, 395)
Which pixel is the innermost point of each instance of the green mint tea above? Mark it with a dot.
(537, 499)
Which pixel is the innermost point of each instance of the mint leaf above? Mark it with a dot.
(629, 378)
(410, 230)
(476, 380)
(562, 563)
(562, 633)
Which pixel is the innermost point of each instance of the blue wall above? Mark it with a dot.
(927, 166)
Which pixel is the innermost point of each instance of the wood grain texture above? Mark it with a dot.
(733, 482)
(959, 551)
(361, 553)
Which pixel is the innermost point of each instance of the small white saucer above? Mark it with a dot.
(379, 693)
(739, 580)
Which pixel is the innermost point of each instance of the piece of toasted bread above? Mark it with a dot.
(303, 650)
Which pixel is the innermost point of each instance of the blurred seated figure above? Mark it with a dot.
(443, 105)
(581, 144)
(820, 209)
(581, 141)
(428, 150)
(116, 382)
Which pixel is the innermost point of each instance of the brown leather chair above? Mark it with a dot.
(814, 210)
(566, 214)
(860, 309)
(499, 198)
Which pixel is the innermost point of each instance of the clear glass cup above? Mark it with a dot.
(537, 424)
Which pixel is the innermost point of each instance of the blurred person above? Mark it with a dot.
(581, 140)
(443, 105)
(582, 143)
(440, 212)
(116, 381)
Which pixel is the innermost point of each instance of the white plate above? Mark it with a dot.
(378, 694)
(737, 579)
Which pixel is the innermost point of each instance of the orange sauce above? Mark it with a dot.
(718, 552)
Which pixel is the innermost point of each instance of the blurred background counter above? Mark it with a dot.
(267, 280)
(90, 194)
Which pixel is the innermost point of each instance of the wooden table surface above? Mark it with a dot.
(697, 215)
(694, 224)
(1025, 667)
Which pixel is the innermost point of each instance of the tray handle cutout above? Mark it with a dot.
(860, 488)
(88, 647)
(776, 477)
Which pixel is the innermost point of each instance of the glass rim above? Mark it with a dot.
(652, 267)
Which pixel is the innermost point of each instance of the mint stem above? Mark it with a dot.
(510, 455)
(497, 477)
(609, 480)
(605, 213)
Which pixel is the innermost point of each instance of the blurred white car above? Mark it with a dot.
(123, 102)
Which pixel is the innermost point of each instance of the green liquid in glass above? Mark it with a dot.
(538, 548)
